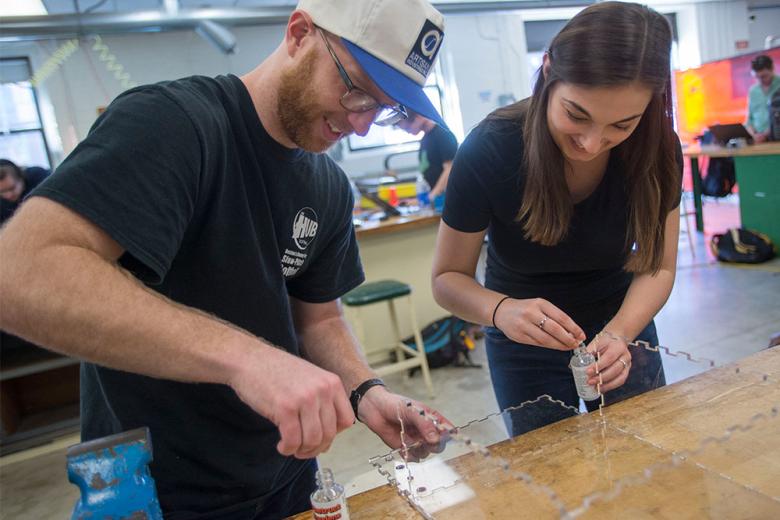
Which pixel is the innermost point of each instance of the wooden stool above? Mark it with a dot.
(389, 290)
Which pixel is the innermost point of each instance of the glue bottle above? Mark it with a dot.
(423, 189)
(328, 501)
(581, 359)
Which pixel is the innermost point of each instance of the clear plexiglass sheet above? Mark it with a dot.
(706, 447)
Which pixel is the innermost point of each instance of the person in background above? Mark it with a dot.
(437, 150)
(15, 185)
(194, 248)
(578, 187)
(759, 95)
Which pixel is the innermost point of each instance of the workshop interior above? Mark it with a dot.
(389, 259)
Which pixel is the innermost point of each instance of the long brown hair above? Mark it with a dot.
(608, 44)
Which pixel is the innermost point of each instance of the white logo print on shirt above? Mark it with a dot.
(304, 227)
(304, 230)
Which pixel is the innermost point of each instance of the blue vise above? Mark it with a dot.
(113, 476)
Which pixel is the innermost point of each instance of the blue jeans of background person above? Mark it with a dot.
(523, 372)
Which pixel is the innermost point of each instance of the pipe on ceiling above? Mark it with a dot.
(68, 25)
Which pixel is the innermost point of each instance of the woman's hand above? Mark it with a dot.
(537, 322)
(613, 362)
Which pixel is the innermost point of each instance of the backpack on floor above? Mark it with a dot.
(742, 246)
(721, 177)
(447, 341)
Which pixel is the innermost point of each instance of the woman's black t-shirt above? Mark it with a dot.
(583, 274)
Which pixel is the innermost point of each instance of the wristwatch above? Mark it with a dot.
(358, 393)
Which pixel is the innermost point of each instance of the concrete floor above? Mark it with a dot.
(719, 312)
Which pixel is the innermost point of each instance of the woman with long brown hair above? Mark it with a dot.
(578, 189)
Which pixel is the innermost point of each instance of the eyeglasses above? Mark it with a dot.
(360, 101)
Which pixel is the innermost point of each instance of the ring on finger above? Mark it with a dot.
(625, 365)
(542, 322)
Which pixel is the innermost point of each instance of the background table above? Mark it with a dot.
(758, 176)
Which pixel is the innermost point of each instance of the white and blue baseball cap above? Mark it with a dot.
(395, 41)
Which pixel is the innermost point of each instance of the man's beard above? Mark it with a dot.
(297, 107)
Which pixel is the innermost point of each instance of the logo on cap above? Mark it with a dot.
(425, 48)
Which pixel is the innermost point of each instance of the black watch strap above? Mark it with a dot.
(358, 393)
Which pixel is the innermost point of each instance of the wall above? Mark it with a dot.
(82, 84)
(761, 23)
(488, 53)
(708, 30)
(483, 60)
(491, 43)
(721, 25)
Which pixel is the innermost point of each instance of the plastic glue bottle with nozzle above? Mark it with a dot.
(423, 190)
(581, 359)
(328, 501)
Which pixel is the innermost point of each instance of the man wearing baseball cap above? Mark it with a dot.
(195, 246)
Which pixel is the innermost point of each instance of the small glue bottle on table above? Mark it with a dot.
(328, 501)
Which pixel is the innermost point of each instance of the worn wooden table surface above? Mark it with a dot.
(587, 456)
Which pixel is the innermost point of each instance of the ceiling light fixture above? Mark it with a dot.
(22, 8)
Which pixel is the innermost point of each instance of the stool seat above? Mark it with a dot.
(373, 292)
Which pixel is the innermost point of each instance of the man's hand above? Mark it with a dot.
(761, 137)
(380, 410)
(613, 362)
(307, 404)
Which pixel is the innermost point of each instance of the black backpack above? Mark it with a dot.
(742, 246)
(721, 177)
(447, 341)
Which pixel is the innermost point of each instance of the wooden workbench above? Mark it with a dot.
(583, 455)
(396, 224)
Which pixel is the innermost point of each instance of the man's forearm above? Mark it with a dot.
(331, 345)
(71, 300)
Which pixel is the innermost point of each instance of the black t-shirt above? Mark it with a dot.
(583, 274)
(33, 176)
(436, 147)
(214, 214)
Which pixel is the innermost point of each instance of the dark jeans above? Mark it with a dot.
(290, 500)
(524, 372)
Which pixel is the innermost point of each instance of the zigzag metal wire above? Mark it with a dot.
(477, 449)
(624, 482)
(657, 348)
(677, 458)
(403, 493)
(544, 397)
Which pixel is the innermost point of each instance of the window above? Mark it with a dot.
(379, 136)
(21, 133)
